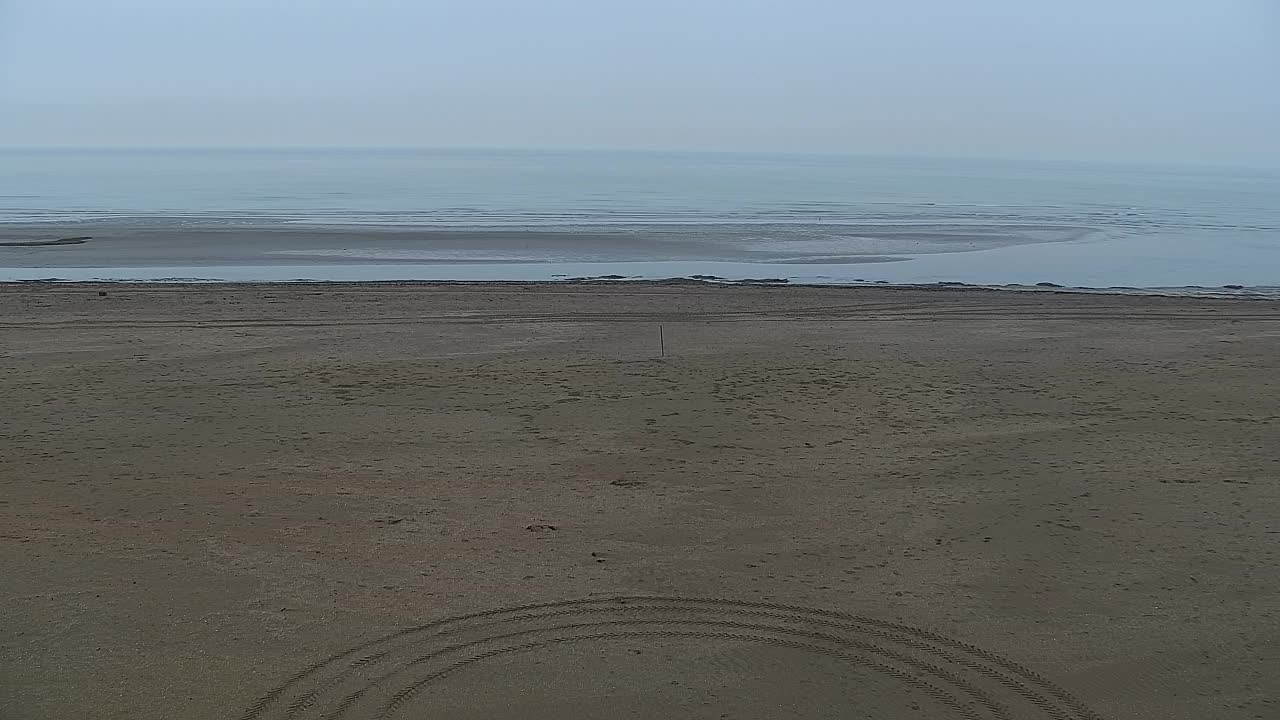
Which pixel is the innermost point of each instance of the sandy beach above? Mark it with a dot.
(650, 500)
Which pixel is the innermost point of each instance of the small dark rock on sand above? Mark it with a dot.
(1047, 284)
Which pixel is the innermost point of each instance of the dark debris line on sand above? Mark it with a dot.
(45, 243)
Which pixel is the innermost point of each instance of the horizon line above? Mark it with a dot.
(1129, 163)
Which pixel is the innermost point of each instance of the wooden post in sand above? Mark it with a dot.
(662, 342)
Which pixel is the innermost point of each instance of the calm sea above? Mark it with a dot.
(1148, 226)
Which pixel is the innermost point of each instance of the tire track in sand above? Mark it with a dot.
(381, 678)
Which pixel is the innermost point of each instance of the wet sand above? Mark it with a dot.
(257, 502)
(230, 241)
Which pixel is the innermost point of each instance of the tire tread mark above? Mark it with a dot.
(619, 603)
(392, 706)
(1009, 666)
(978, 694)
(1060, 693)
(259, 707)
(891, 636)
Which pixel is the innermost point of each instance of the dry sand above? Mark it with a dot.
(240, 502)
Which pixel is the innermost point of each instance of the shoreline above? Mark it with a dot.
(1229, 292)
(904, 253)
(164, 242)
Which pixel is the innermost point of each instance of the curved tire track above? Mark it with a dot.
(379, 678)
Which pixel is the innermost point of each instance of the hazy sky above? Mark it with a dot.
(1147, 80)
